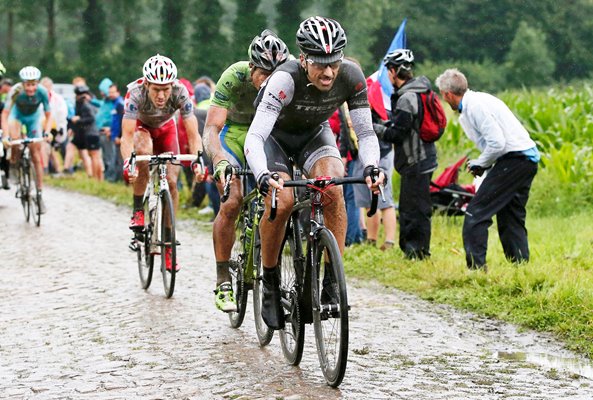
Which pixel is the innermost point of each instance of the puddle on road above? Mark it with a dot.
(577, 366)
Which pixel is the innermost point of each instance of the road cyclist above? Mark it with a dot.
(149, 128)
(227, 122)
(23, 110)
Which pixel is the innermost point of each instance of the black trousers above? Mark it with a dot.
(503, 193)
(415, 212)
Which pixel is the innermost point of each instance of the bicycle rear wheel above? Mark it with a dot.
(167, 242)
(330, 307)
(237, 271)
(264, 333)
(25, 187)
(292, 337)
(143, 248)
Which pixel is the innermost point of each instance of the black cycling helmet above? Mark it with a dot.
(81, 89)
(399, 57)
(321, 39)
(267, 51)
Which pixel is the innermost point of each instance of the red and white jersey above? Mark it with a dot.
(138, 106)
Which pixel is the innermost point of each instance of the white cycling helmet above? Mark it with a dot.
(399, 57)
(160, 70)
(30, 73)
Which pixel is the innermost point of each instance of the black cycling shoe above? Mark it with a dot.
(272, 311)
(328, 292)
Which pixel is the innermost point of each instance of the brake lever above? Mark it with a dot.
(228, 175)
(274, 200)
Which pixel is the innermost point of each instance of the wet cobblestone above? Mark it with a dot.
(74, 324)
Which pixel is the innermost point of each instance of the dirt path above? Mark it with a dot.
(74, 323)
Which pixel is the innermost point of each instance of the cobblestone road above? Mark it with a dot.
(74, 324)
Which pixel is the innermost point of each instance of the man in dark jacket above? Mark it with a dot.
(414, 159)
(83, 125)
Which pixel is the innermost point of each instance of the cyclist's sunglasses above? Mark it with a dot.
(322, 66)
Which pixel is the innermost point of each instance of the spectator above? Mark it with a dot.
(59, 114)
(414, 159)
(116, 117)
(202, 95)
(511, 154)
(103, 121)
(206, 80)
(84, 127)
(77, 140)
(342, 127)
(362, 197)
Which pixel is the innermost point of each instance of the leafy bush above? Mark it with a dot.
(483, 76)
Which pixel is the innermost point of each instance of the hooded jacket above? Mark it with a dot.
(412, 154)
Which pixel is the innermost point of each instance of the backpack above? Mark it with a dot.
(431, 116)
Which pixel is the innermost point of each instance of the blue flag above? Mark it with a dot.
(398, 42)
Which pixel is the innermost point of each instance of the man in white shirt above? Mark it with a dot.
(511, 157)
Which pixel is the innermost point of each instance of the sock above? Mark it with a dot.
(138, 203)
(222, 272)
(270, 274)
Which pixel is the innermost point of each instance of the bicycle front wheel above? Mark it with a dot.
(143, 248)
(35, 200)
(168, 243)
(292, 337)
(237, 271)
(25, 188)
(330, 307)
(264, 333)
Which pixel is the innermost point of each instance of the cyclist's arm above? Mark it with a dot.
(128, 127)
(214, 123)
(128, 124)
(193, 137)
(48, 122)
(368, 145)
(266, 116)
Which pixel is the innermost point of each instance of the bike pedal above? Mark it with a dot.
(133, 245)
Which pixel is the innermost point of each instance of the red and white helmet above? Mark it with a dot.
(160, 70)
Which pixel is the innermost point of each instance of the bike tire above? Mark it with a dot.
(167, 214)
(237, 266)
(292, 337)
(25, 188)
(330, 321)
(143, 249)
(34, 200)
(264, 333)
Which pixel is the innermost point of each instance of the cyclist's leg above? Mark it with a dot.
(320, 157)
(272, 235)
(33, 126)
(14, 132)
(142, 146)
(232, 138)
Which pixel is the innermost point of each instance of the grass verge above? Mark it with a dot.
(553, 293)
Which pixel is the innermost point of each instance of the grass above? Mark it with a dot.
(553, 293)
